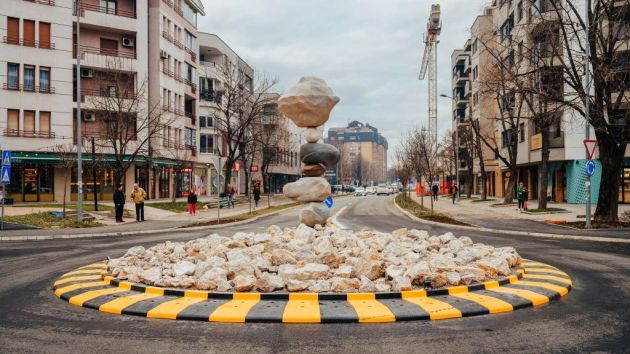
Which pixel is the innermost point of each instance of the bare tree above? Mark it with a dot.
(67, 160)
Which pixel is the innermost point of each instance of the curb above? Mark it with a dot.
(512, 232)
(534, 284)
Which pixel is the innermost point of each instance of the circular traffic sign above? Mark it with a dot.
(590, 168)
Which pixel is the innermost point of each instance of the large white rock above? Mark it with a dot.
(184, 268)
(314, 214)
(308, 104)
(308, 189)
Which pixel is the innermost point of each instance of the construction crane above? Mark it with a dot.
(429, 63)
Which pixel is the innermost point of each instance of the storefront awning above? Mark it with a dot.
(55, 158)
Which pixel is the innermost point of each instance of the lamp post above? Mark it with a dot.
(456, 150)
(79, 138)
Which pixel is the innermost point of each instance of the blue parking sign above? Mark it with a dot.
(6, 158)
(5, 175)
(329, 202)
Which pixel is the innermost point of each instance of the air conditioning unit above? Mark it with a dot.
(89, 116)
(163, 54)
(87, 73)
(128, 42)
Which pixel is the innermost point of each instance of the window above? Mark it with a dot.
(44, 35)
(108, 6)
(29, 33)
(190, 14)
(521, 131)
(44, 79)
(29, 78)
(13, 30)
(206, 143)
(190, 137)
(202, 121)
(189, 41)
(109, 47)
(29, 123)
(557, 128)
(506, 28)
(13, 122)
(13, 74)
(44, 124)
(475, 73)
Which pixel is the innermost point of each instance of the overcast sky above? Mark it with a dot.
(368, 51)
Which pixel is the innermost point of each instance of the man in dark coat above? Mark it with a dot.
(119, 202)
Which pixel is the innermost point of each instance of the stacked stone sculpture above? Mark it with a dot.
(308, 105)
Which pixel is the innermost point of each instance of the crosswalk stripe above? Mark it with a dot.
(369, 309)
(235, 310)
(302, 308)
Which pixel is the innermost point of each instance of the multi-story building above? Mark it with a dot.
(522, 34)
(286, 138)
(363, 154)
(114, 41)
(217, 61)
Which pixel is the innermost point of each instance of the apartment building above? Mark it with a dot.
(217, 62)
(363, 154)
(523, 35)
(42, 40)
(280, 131)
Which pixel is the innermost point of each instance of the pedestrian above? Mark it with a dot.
(119, 203)
(520, 196)
(435, 189)
(454, 193)
(257, 194)
(192, 202)
(230, 195)
(137, 196)
(525, 197)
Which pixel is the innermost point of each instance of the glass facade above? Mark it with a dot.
(104, 184)
(31, 183)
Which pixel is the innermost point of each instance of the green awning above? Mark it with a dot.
(55, 158)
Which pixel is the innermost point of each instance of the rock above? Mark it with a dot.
(280, 256)
(243, 283)
(184, 268)
(394, 271)
(314, 214)
(273, 230)
(453, 278)
(296, 285)
(320, 286)
(382, 286)
(372, 270)
(151, 275)
(308, 189)
(345, 285)
(308, 104)
(418, 273)
(314, 170)
(312, 135)
(135, 251)
(315, 153)
(401, 283)
(268, 282)
(367, 286)
(345, 271)
(223, 285)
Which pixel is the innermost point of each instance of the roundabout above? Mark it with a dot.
(533, 284)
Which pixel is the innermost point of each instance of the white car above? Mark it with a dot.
(360, 192)
(383, 190)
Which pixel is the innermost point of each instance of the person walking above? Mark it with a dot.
(119, 203)
(454, 193)
(520, 196)
(137, 196)
(435, 189)
(525, 197)
(257, 194)
(230, 195)
(192, 202)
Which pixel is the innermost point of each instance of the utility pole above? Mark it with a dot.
(587, 132)
(456, 150)
(94, 175)
(79, 138)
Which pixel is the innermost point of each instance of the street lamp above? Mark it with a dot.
(456, 151)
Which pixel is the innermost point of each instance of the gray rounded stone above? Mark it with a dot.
(314, 153)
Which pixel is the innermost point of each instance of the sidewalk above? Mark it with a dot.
(156, 219)
(483, 214)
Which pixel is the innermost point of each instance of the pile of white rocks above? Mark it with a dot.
(321, 259)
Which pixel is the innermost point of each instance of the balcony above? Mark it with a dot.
(43, 2)
(28, 43)
(105, 93)
(122, 17)
(190, 86)
(108, 58)
(28, 88)
(193, 55)
(83, 7)
(17, 133)
(211, 96)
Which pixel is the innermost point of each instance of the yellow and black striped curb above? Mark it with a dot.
(533, 284)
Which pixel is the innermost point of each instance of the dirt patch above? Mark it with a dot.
(600, 225)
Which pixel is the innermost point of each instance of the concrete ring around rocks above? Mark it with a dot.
(532, 284)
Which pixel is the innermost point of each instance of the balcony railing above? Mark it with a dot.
(28, 133)
(193, 55)
(107, 52)
(192, 85)
(105, 93)
(43, 2)
(213, 96)
(27, 88)
(105, 10)
(28, 43)
(172, 144)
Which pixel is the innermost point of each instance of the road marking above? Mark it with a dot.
(334, 220)
(369, 309)
(237, 309)
(78, 300)
(302, 308)
(170, 309)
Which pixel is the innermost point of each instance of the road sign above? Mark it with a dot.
(5, 175)
(590, 146)
(329, 202)
(590, 168)
(6, 158)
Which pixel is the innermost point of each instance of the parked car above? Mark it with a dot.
(383, 190)
(370, 190)
(360, 192)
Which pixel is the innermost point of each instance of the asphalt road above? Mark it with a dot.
(595, 316)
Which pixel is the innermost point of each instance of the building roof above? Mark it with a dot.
(357, 132)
